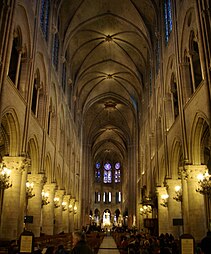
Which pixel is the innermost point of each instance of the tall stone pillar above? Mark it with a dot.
(58, 212)
(65, 214)
(23, 200)
(11, 203)
(163, 215)
(174, 208)
(185, 203)
(48, 210)
(196, 202)
(34, 204)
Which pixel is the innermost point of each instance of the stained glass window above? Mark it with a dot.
(117, 165)
(107, 166)
(55, 52)
(167, 18)
(97, 175)
(118, 197)
(97, 165)
(44, 17)
(117, 173)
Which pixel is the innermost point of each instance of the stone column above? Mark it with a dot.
(196, 202)
(11, 203)
(23, 201)
(48, 210)
(65, 214)
(34, 204)
(71, 214)
(185, 201)
(163, 215)
(58, 212)
(174, 207)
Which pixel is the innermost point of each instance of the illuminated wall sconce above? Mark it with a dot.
(178, 191)
(29, 190)
(75, 209)
(4, 177)
(45, 196)
(164, 200)
(70, 208)
(145, 210)
(56, 202)
(64, 206)
(204, 181)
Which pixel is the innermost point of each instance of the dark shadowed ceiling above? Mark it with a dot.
(108, 44)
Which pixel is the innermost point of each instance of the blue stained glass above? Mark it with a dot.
(44, 17)
(167, 18)
(107, 166)
(117, 165)
(109, 177)
(105, 179)
(97, 165)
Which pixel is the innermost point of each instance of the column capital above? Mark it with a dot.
(37, 178)
(59, 193)
(192, 171)
(66, 198)
(50, 187)
(16, 163)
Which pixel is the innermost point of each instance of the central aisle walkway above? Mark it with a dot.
(108, 245)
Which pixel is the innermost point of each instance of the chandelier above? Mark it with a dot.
(178, 191)
(4, 177)
(204, 181)
(164, 200)
(45, 196)
(145, 210)
(70, 208)
(29, 190)
(64, 206)
(56, 202)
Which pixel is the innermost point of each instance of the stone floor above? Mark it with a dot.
(108, 245)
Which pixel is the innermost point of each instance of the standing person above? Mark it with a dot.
(206, 243)
(80, 245)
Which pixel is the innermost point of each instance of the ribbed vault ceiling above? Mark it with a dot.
(108, 46)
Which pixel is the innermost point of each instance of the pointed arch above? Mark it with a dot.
(200, 135)
(10, 132)
(33, 152)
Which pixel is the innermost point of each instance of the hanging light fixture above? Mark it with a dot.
(64, 206)
(29, 190)
(178, 191)
(45, 196)
(4, 177)
(56, 202)
(164, 199)
(204, 181)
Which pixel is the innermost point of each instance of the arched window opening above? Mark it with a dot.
(196, 64)
(35, 93)
(190, 80)
(44, 17)
(55, 53)
(174, 93)
(107, 173)
(15, 62)
(97, 197)
(167, 19)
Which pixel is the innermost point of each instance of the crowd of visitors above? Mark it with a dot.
(128, 242)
